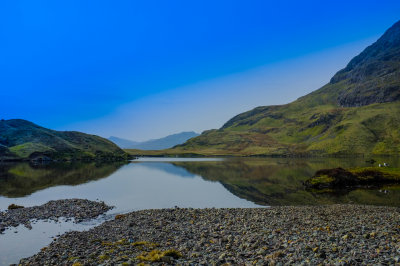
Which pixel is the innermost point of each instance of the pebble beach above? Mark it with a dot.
(78, 209)
(309, 235)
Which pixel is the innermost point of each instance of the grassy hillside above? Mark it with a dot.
(322, 130)
(23, 140)
(357, 112)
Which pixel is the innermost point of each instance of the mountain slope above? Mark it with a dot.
(357, 112)
(155, 144)
(22, 140)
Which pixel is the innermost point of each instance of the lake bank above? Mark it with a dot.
(320, 234)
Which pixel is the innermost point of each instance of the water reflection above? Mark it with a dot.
(22, 179)
(279, 181)
(157, 182)
(138, 185)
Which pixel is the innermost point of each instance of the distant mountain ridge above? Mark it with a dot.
(155, 144)
(356, 113)
(123, 143)
(24, 140)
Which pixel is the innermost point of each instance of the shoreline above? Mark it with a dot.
(332, 234)
(167, 153)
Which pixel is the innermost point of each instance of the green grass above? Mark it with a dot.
(26, 149)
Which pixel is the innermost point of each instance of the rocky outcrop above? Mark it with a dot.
(373, 75)
(332, 178)
(339, 178)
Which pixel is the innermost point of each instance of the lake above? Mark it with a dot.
(151, 183)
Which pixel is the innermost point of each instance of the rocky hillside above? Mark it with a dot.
(24, 140)
(356, 113)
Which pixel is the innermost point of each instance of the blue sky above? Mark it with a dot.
(145, 69)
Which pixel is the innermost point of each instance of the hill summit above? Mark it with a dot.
(356, 113)
(24, 140)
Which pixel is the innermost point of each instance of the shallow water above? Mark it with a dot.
(151, 183)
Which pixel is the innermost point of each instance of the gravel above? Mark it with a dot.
(80, 209)
(334, 234)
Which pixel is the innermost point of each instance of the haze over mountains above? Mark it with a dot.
(155, 144)
(356, 113)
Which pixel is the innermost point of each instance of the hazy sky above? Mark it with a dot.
(146, 69)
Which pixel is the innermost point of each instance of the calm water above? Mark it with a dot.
(166, 183)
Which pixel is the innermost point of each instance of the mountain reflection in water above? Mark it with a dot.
(263, 181)
(22, 179)
(279, 181)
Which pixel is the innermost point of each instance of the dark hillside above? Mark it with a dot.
(24, 140)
